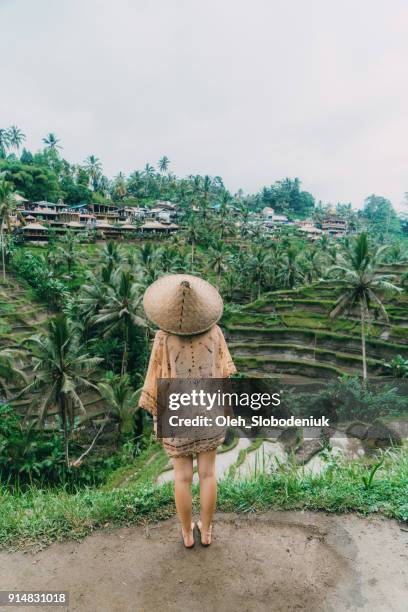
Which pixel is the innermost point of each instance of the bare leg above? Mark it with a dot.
(208, 491)
(183, 478)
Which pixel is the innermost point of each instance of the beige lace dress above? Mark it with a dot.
(200, 356)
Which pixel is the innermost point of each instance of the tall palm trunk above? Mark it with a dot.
(192, 253)
(3, 256)
(65, 416)
(363, 339)
(124, 357)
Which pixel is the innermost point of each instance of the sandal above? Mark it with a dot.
(182, 537)
(209, 534)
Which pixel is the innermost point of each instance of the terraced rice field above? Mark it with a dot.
(289, 334)
(21, 317)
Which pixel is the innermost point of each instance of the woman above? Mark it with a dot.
(189, 344)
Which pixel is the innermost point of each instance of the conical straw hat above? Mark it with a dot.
(183, 304)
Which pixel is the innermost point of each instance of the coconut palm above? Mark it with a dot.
(16, 137)
(52, 142)
(163, 164)
(291, 269)
(122, 401)
(94, 168)
(10, 373)
(62, 369)
(119, 186)
(4, 141)
(258, 267)
(68, 250)
(92, 295)
(192, 233)
(112, 255)
(218, 259)
(7, 207)
(122, 311)
(357, 274)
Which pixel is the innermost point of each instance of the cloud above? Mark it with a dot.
(252, 91)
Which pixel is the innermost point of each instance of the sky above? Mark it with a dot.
(250, 90)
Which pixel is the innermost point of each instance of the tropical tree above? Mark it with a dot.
(192, 233)
(163, 164)
(218, 259)
(68, 250)
(122, 401)
(4, 141)
(291, 269)
(362, 284)
(92, 295)
(10, 373)
(258, 267)
(62, 369)
(122, 311)
(111, 256)
(16, 137)
(7, 207)
(52, 142)
(94, 168)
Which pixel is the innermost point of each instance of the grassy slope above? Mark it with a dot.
(39, 516)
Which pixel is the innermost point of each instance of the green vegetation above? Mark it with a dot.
(75, 451)
(42, 516)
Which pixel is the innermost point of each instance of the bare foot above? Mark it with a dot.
(205, 534)
(188, 537)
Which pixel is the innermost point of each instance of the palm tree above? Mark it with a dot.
(62, 370)
(204, 201)
(192, 233)
(218, 257)
(122, 311)
(119, 187)
(291, 270)
(7, 207)
(94, 168)
(258, 266)
(9, 372)
(68, 250)
(92, 295)
(4, 141)
(52, 142)
(359, 277)
(163, 164)
(111, 255)
(122, 401)
(16, 137)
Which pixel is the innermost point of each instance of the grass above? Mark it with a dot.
(38, 517)
(253, 332)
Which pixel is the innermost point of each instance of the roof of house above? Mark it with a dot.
(34, 226)
(158, 225)
(19, 198)
(310, 229)
(100, 224)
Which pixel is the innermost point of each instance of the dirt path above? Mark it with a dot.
(268, 562)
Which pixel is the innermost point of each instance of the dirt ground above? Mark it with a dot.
(274, 561)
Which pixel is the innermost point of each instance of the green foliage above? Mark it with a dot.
(44, 516)
(398, 367)
(38, 274)
(349, 398)
(35, 182)
(368, 480)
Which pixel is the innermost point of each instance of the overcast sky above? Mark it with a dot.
(251, 90)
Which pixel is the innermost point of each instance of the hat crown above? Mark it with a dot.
(183, 304)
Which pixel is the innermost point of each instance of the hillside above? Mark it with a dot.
(289, 334)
